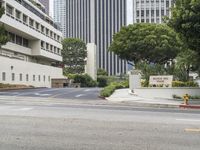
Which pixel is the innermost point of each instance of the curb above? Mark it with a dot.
(190, 106)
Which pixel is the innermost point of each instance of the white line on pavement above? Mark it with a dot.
(25, 109)
(87, 90)
(79, 95)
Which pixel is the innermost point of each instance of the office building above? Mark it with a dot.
(151, 11)
(59, 14)
(94, 21)
(32, 55)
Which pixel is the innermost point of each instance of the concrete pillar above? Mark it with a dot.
(134, 80)
(91, 64)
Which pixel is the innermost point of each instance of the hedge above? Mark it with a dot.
(109, 90)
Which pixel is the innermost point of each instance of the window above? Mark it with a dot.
(18, 14)
(47, 32)
(9, 9)
(37, 25)
(26, 77)
(42, 44)
(58, 51)
(31, 22)
(49, 78)
(58, 38)
(42, 29)
(39, 78)
(44, 78)
(20, 77)
(25, 42)
(33, 77)
(25, 18)
(13, 77)
(3, 76)
(12, 37)
(55, 49)
(18, 40)
(47, 46)
(51, 34)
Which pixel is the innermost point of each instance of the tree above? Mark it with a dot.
(3, 34)
(186, 61)
(186, 21)
(74, 54)
(152, 43)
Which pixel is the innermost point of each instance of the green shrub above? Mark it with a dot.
(184, 84)
(102, 72)
(85, 80)
(102, 81)
(108, 90)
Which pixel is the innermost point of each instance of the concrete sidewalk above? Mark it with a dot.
(124, 95)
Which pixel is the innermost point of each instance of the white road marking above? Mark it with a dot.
(87, 90)
(25, 109)
(189, 120)
(38, 94)
(79, 95)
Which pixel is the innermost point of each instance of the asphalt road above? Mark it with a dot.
(63, 93)
(81, 127)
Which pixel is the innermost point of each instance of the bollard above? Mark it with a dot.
(186, 99)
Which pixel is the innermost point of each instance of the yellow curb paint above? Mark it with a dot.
(192, 130)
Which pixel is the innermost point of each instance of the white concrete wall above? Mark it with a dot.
(166, 92)
(18, 67)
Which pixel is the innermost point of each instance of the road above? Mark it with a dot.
(97, 127)
(63, 93)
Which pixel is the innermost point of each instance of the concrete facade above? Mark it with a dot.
(34, 46)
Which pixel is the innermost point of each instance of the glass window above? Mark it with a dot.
(42, 29)
(9, 9)
(26, 77)
(13, 77)
(25, 18)
(25, 42)
(47, 46)
(42, 44)
(20, 77)
(44, 78)
(33, 77)
(39, 78)
(3, 76)
(37, 25)
(31, 22)
(12, 37)
(18, 40)
(18, 14)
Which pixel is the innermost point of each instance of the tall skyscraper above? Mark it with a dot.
(60, 14)
(94, 21)
(151, 11)
(46, 4)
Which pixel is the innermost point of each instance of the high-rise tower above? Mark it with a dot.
(94, 21)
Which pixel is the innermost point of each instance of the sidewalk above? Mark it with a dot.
(124, 95)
